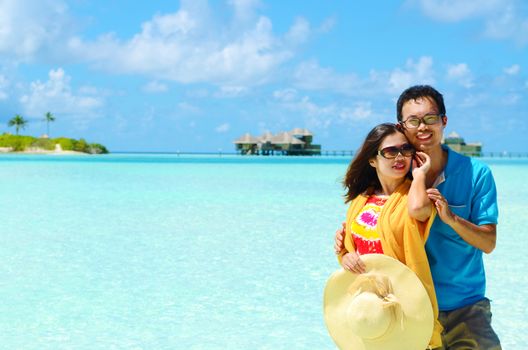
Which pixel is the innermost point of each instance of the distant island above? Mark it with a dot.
(43, 144)
(297, 142)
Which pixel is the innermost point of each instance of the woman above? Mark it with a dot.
(389, 214)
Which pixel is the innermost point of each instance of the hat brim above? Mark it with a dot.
(416, 327)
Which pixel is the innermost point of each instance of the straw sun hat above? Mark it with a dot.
(386, 308)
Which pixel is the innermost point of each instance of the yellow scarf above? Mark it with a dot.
(403, 238)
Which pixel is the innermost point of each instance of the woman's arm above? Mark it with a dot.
(419, 204)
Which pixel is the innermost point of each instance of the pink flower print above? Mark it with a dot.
(368, 218)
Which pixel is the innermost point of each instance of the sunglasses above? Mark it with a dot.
(392, 152)
(429, 119)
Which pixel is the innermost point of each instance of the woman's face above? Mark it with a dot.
(388, 167)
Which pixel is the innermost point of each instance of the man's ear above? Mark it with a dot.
(444, 120)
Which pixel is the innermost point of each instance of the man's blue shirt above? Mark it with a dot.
(457, 267)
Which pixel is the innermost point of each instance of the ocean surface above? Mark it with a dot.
(132, 251)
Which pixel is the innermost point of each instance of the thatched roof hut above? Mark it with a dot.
(295, 142)
(285, 138)
(246, 138)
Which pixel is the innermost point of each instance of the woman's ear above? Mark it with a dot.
(372, 162)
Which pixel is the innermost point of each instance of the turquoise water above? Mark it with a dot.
(196, 252)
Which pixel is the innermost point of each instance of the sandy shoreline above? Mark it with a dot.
(56, 151)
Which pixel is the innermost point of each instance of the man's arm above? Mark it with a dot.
(339, 241)
(349, 260)
(483, 237)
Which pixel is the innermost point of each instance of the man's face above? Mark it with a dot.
(424, 137)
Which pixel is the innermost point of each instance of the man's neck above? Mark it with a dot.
(438, 163)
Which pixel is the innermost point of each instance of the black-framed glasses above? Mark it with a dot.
(392, 152)
(414, 122)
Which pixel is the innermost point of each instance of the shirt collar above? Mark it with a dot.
(439, 179)
(450, 167)
(454, 160)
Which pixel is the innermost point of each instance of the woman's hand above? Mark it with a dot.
(352, 262)
(421, 163)
(441, 205)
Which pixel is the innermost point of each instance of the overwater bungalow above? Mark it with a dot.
(456, 143)
(295, 142)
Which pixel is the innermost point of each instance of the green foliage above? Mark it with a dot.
(18, 143)
(21, 143)
(65, 143)
(81, 146)
(96, 148)
(48, 117)
(46, 144)
(18, 122)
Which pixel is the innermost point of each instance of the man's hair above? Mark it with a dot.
(420, 91)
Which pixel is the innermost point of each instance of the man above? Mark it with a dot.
(464, 193)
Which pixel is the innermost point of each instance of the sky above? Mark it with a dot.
(194, 75)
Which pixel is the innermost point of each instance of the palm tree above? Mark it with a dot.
(49, 118)
(18, 122)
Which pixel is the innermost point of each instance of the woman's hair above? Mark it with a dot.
(361, 176)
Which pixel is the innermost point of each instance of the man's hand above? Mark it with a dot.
(441, 205)
(339, 244)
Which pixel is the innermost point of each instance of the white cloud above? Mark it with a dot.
(28, 27)
(285, 95)
(187, 107)
(471, 100)
(361, 111)
(320, 115)
(420, 72)
(244, 9)
(222, 128)
(57, 96)
(300, 31)
(315, 115)
(88, 90)
(327, 25)
(461, 74)
(508, 24)
(503, 19)
(187, 47)
(167, 25)
(311, 76)
(191, 45)
(231, 91)
(457, 10)
(155, 87)
(311, 108)
(512, 70)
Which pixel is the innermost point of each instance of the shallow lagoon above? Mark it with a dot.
(196, 252)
